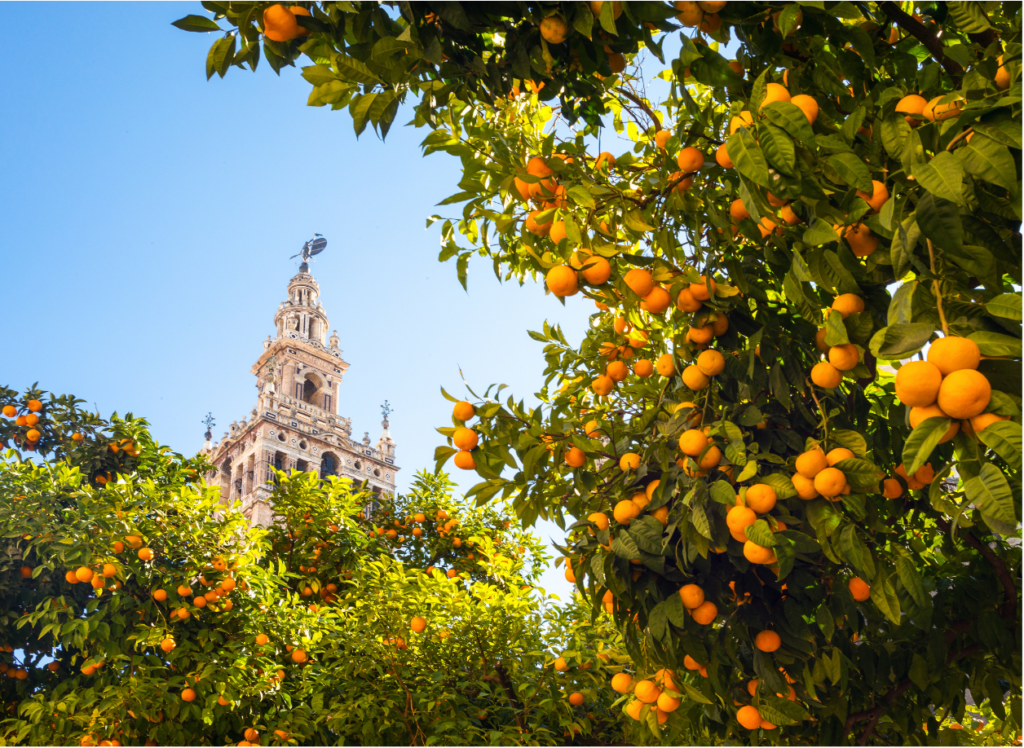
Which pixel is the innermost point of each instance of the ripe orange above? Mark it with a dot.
(600, 519)
(464, 438)
(879, 195)
(919, 415)
(722, 157)
(617, 371)
(951, 354)
(629, 461)
(35, 406)
(860, 589)
(692, 442)
(910, 105)
(807, 105)
(936, 110)
(981, 422)
(891, 488)
(918, 382)
(837, 455)
(279, 24)
(739, 518)
(768, 641)
(705, 613)
(534, 226)
(167, 645)
(146, 554)
(646, 691)
(597, 270)
(692, 597)
(686, 303)
(639, 281)
(694, 378)
(184, 590)
(575, 457)
(83, 574)
(758, 554)
(743, 119)
(700, 291)
(830, 482)
(657, 301)
(804, 487)
(775, 92)
(965, 393)
(10, 411)
(826, 375)
(690, 159)
(749, 717)
(33, 435)
(299, 655)
(562, 281)
(761, 498)
(625, 511)
(464, 461)
(847, 304)
(188, 695)
(665, 365)
(809, 464)
(711, 362)
(576, 699)
(622, 682)
(643, 368)
(553, 30)
(661, 138)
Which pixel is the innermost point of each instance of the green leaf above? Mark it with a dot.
(903, 242)
(825, 620)
(624, 546)
(900, 341)
(581, 196)
(884, 597)
(789, 18)
(761, 533)
(748, 158)
(790, 118)
(922, 442)
(782, 484)
(968, 16)
(851, 170)
(778, 148)
(198, 24)
(1006, 305)
(1004, 438)
(723, 493)
(996, 344)
(943, 176)
(894, 132)
(986, 159)
(694, 695)
(356, 71)
(819, 232)
(911, 579)
(939, 220)
(852, 440)
(991, 493)
(919, 671)
(634, 221)
(860, 474)
(835, 330)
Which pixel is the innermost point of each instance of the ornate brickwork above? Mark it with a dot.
(295, 424)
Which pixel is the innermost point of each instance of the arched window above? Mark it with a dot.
(308, 390)
(328, 465)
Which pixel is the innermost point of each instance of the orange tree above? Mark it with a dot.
(787, 450)
(138, 608)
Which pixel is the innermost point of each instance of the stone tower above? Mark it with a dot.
(295, 424)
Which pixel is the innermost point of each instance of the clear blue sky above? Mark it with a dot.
(149, 216)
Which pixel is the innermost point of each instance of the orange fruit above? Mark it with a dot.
(891, 488)
(743, 119)
(690, 159)
(553, 30)
(774, 92)
(600, 519)
(625, 511)
(758, 554)
(83, 574)
(167, 645)
(879, 195)
(464, 438)
(830, 482)
(617, 371)
(575, 457)
(188, 695)
(646, 691)
(643, 368)
(909, 105)
(299, 655)
(686, 303)
(809, 464)
(965, 393)
(705, 613)
(279, 24)
(661, 138)
(860, 589)
(847, 304)
(761, 498)
(692, 597)
(665, 365)
(692, 442)
(918, 382)
(981, 422)
(35, 406)
(919, 415)
(629, 461)
(694, 378)
(748, 717)
(602, 385)
(767, 641)
(657, 301)
(951, 354)
(597, 270)
(622, 682)
(33, 435)
(837, 455)
(667, 704)
(534, 226)
(711, 363)
(807, 105)
(463, 411)
(576, 699)
(562, 281)
(722, 157)
(826, 375)
(804, 487)
(700, 291)
(639, 281)
(10, 411)
(145, 554)
(739, 518)
(861, 239)
(935, 110)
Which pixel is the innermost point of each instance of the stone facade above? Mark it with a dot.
(294, 425)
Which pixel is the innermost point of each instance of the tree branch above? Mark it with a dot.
(643, 105)
(1009, 611)
(931, 42)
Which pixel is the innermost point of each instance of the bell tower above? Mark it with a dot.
(295, 424)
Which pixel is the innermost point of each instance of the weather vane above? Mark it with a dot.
(386, 410)
(209, 423)
(310, 249)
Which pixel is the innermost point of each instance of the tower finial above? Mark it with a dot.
(386, 410)
(310, 249)
(209, 422)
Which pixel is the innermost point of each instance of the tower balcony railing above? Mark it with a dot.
(315, 412)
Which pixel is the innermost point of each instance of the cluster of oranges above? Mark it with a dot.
(464, 439)
(29, 421)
